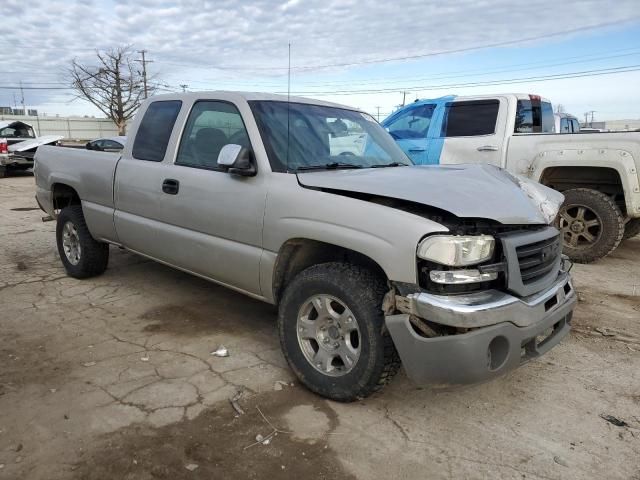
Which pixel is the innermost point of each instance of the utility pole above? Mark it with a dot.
(586, 117)
(144, 62)
(378, 116)
(24, 110)
(404, 97)
(184, 87)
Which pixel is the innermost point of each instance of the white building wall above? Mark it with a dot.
(73, 128)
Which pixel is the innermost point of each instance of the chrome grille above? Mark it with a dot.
(533, 259)
(538, 259)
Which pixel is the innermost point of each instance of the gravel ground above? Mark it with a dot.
(112, 377)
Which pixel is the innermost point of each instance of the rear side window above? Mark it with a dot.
(470, 118)
(155, 129)
(534, 116)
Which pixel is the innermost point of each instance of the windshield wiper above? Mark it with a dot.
(392, 164)
(327, 166)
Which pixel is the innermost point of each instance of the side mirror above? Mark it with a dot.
(237, 160)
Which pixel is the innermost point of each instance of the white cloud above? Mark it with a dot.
(243, 39)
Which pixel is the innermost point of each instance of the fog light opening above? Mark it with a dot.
(497, 353)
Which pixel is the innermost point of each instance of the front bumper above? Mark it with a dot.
(506, 331)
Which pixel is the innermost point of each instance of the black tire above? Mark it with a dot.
(93, 256)
(3, 172)
(362, 292)
(631, 229)
(597, 233)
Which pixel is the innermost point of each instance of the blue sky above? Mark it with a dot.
(240, 45)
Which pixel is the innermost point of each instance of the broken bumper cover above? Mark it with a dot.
(10, 160)
(511, 331)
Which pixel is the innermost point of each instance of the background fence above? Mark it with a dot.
(73, 128)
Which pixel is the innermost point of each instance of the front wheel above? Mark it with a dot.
(591, 223)
(332, 331)
(81, 255)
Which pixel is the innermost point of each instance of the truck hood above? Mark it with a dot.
(467, 191)
(34, 142)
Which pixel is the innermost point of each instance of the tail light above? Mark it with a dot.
(4, 147)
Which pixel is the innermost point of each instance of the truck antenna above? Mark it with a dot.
(288, 101)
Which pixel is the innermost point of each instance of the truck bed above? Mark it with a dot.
(90, 173)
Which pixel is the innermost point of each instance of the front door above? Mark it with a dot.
(473, 131)
(410, 130)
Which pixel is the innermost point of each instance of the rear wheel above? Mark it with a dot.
(592, 225)
(631, 229)
(332, 331)
(81, 255)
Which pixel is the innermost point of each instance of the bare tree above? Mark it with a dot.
(114, 85)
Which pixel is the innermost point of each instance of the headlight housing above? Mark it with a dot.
(457, 250)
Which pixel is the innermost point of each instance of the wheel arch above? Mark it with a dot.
(297, 254)
(64, 195)
(612, 172)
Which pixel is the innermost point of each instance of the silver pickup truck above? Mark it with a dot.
(454, 272)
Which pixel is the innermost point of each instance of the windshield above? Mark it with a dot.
(299, 136)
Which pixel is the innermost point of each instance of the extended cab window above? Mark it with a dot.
(155, 129)
(535, 116)
(413, 123)
(470, 118)
(211, 126)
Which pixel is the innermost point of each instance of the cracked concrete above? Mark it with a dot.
(98, 373)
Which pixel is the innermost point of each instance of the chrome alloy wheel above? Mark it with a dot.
(328, 335)
(71, 243)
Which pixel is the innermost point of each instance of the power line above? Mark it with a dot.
(441, 75)
(477, 72)
(561, 76)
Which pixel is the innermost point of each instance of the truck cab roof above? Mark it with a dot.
(247, 96)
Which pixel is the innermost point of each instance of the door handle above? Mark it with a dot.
(170, 186)
(488, 148)
(416, 149)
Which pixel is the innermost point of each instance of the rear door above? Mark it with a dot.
(410, 129)
(473, 131)
(138, 183)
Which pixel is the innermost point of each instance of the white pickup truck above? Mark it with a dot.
(18, 145)
(597, 173)
(313, 207)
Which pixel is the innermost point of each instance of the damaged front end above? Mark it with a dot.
(501, 297)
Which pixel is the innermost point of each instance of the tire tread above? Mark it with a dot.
(371, 294)
(95, 254)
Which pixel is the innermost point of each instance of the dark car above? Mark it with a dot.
(111, 144)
